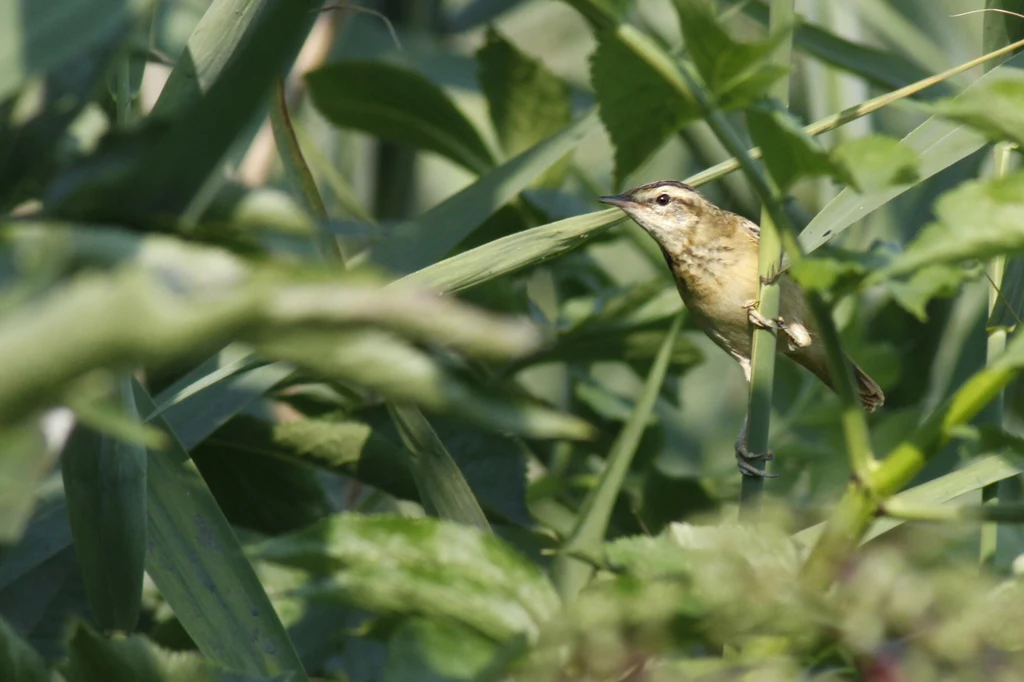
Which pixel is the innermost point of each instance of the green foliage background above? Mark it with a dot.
(319, 359)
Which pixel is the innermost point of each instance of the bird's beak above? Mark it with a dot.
(617, 200)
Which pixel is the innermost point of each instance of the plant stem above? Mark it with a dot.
(853, 113)
(995, 345)
(762, 373)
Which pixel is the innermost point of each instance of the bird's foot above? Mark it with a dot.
(744, 459)
(755, 316)
(797, 334)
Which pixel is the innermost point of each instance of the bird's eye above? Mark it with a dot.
(663, 200)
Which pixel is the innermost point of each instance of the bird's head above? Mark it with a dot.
(670, 211)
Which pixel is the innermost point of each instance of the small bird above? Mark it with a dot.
(713, 254)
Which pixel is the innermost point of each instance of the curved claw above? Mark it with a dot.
(744, 457)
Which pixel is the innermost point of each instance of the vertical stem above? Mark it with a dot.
(124, 91)
(762, 373)
(995, 346)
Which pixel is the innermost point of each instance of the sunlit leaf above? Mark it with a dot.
(994, 106)
(789, 152)
(875, 162)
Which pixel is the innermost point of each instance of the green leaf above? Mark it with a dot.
(527, 102)
(426, 240)
(403, 373)
(601, 14)
(397, 105)
(875, 162)
(642, 98)
(443, 489)
(977, 220)
(508, 254)
(789, 152)
(427, 567)
(735, 73)
(35, 40)
(198, 565)
(931, 281)
(994, 106)
(18, 661)
(591, 525)
(423, 650)
(1009, 304)
(105, 490)
(938, 142)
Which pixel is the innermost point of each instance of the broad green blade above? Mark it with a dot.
(25, 460)
(105, 490)
(199, 567)
(430, 237)
(508, 254)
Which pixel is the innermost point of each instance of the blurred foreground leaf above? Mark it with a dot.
(427, 567)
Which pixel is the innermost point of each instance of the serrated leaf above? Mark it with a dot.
(875, 162)
(642, 98)
(735, 73)
(527, 102)
(977, 220)
(789, 152)
(427, 567)
(397, 105)
(994, 107)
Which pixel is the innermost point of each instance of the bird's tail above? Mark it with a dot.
(871, 396)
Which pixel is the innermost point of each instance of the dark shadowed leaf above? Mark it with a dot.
(642, 98)
(1001, 28)
(397, 105)
(18, 661)
(789, 152)
(527, 102)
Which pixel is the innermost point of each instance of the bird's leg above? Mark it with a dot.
(744, 456)
(756, 318)
(797, 334)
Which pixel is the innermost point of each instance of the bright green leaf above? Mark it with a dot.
(979, 219)
(995, 106)
(397, 105)
(875, 162)
(423, 650)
